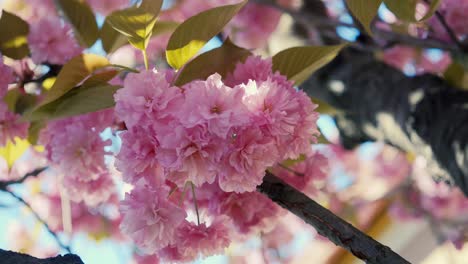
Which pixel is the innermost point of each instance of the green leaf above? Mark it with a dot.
(456, 75)
(137, 23)
(19, 102)
(85, 100)
(193, 33)
(13, 151)
(111, 38)
(364, 11)
(80, 100)
(72, 73)
(162, 27)
(221, 60)
(403, 9)
(11, 98)
(33, 131)
(82, 19)
(299, 63)
(100, 78)
(13, 36)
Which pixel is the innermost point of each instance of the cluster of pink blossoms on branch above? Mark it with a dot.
(214, 136)
(10, 125)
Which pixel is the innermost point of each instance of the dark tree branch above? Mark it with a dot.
(43, 222)
(10, 257)
(34, 173)
(326, 223)
(421, 114)
(447, 28)
(314, 18)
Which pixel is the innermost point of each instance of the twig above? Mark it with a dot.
(34, 173)
(326, 223)
(309, 20)
(447, 28)
(43, 222)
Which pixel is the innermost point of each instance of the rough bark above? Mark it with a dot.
(10, 257)
(328, 224)
(421, 114)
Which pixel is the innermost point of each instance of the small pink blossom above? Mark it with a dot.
(56, 46)
(146, 98)
(91, 192)
(149, 218)
(189, 154)
(137, 157)
(253, 25)
(11, 126)
(212, 103)
(202, 239)
(250, 212)
(284, 114)
(147, 259)
(246, 159)
(254, 68)
(105, 7)
(80, 160)
(6, 77)
(304, 174)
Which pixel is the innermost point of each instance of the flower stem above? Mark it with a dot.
(145, 58)
(195, 202)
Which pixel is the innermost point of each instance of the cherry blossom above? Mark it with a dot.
(149, 219)
(55, 47)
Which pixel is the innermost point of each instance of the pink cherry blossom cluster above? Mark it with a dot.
(11, 126)
(81, 161)
(105, 7)
(443, 205)
(216, 136)
(402, 57)
(55, 47)
(304, 174)
(250, 28)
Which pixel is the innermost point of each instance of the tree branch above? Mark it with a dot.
(10, 257)
(43, 222)
(422, 114)
(326, 223)
(34, 173)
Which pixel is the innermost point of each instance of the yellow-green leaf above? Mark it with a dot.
(33, 131)
(85, 100)
(162, 27)
(82, 19)
(80, 100)
(14, 150)
(136, 23)
(364, 11)
(13, 36)
(193, 33)
(221, 60)
(456, 75)
(111, 38)
(11, 98)
(72, 73)
(299, 63)
(403, 9)
(19, 102)
(100, 78)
